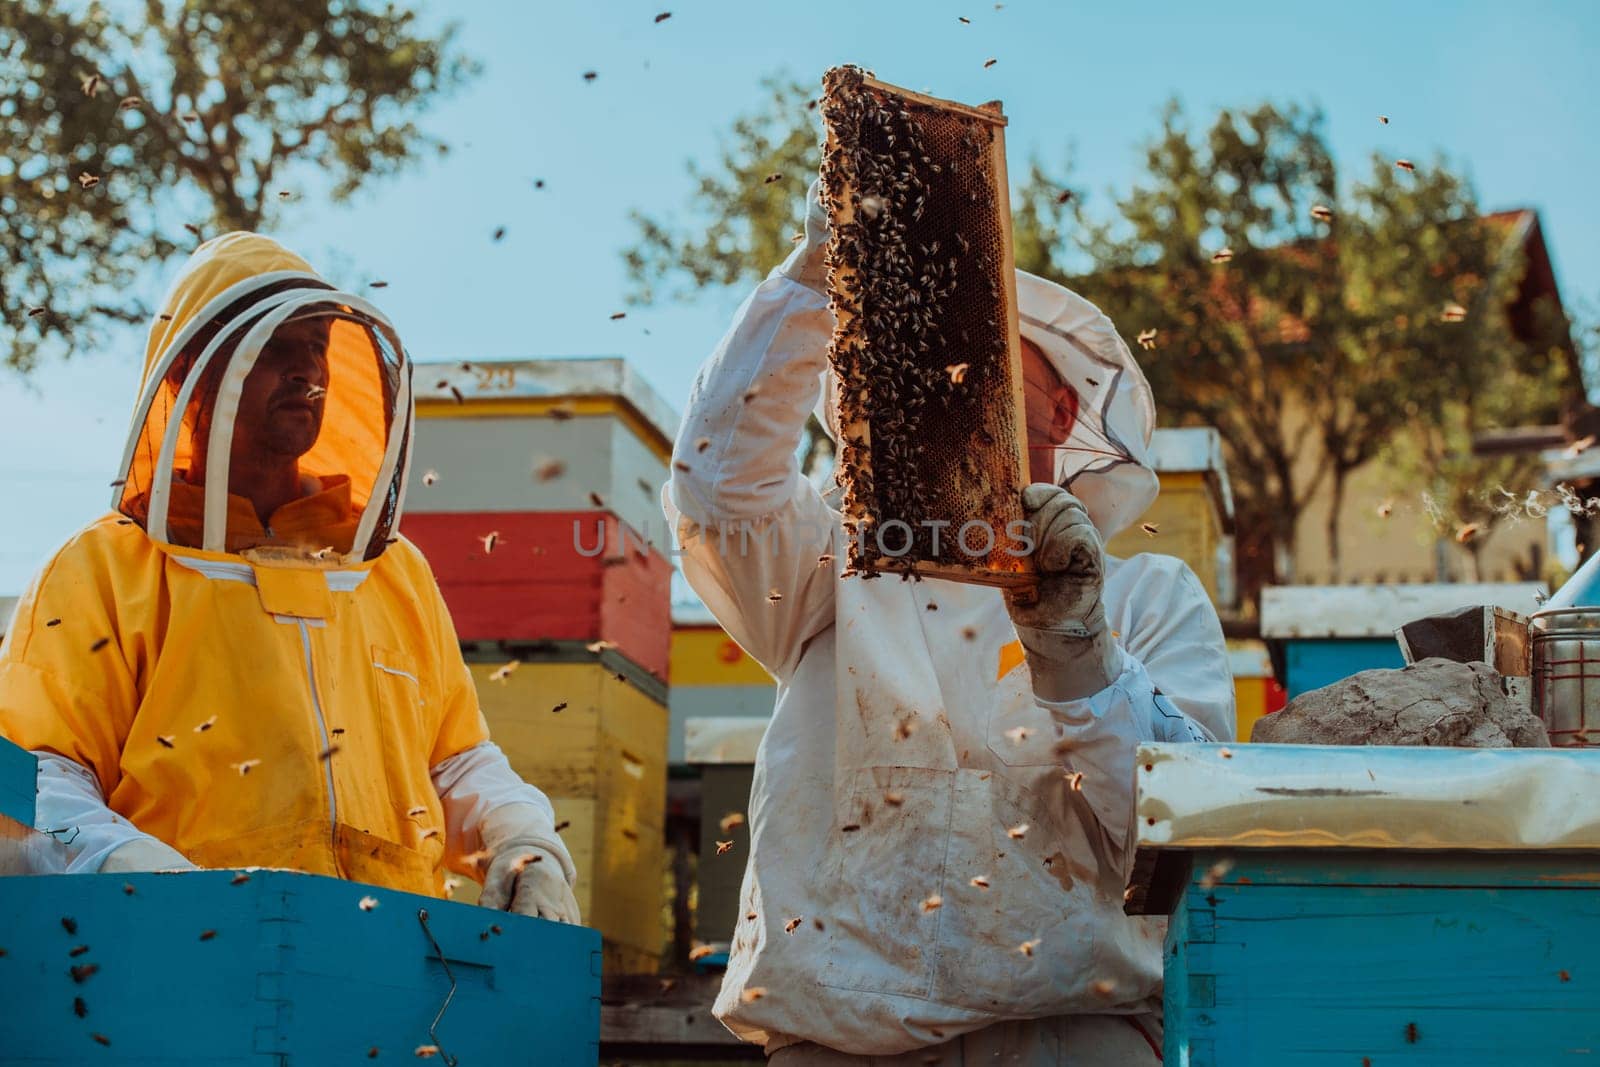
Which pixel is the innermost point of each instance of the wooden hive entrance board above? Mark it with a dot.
(926, 348)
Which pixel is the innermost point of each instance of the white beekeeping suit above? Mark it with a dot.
(897, 809)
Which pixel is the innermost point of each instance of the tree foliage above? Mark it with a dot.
(1354, 315)
(135, 128)
(745, 209)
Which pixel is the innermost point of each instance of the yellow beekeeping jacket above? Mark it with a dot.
(237, 693)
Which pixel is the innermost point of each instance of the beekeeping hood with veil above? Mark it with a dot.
(288, 693)
(234, 292)
(1105, 459)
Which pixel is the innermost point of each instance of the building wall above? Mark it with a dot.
(1408, 546)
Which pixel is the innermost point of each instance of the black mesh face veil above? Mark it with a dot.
(397, 377)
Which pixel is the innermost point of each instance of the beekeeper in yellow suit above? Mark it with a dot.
(243, 663)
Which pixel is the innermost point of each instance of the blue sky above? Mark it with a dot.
(1506, 91)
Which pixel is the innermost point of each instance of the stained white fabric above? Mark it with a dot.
(480, 781)
(907, 755)
(70, 807)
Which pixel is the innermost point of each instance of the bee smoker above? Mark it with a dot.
(1565, 639)
(1566, 675)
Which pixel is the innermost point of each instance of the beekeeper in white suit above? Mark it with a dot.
(927, 881)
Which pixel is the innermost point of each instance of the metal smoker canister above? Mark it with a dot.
(1566, 674)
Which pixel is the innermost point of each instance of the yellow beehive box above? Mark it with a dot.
(591, 734)
(1193, 516)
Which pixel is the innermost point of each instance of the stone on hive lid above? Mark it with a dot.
(1432, 702)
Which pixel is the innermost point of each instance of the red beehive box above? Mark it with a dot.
(562, 461)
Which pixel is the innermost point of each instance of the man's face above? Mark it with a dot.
(280, 410)
(1051, 408)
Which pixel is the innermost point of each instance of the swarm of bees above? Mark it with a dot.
(919, 289)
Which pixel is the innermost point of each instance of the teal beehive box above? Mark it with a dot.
(282, 968)
(19, 772)
(1373, 906)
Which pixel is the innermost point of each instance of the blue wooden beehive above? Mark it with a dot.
(1373, 906)
(283, 968)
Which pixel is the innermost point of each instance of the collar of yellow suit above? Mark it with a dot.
(323, 518)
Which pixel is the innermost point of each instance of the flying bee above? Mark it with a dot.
(1215, 873)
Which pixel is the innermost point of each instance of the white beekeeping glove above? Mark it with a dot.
(807, 264)
(524, 876)
(1070, 652)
